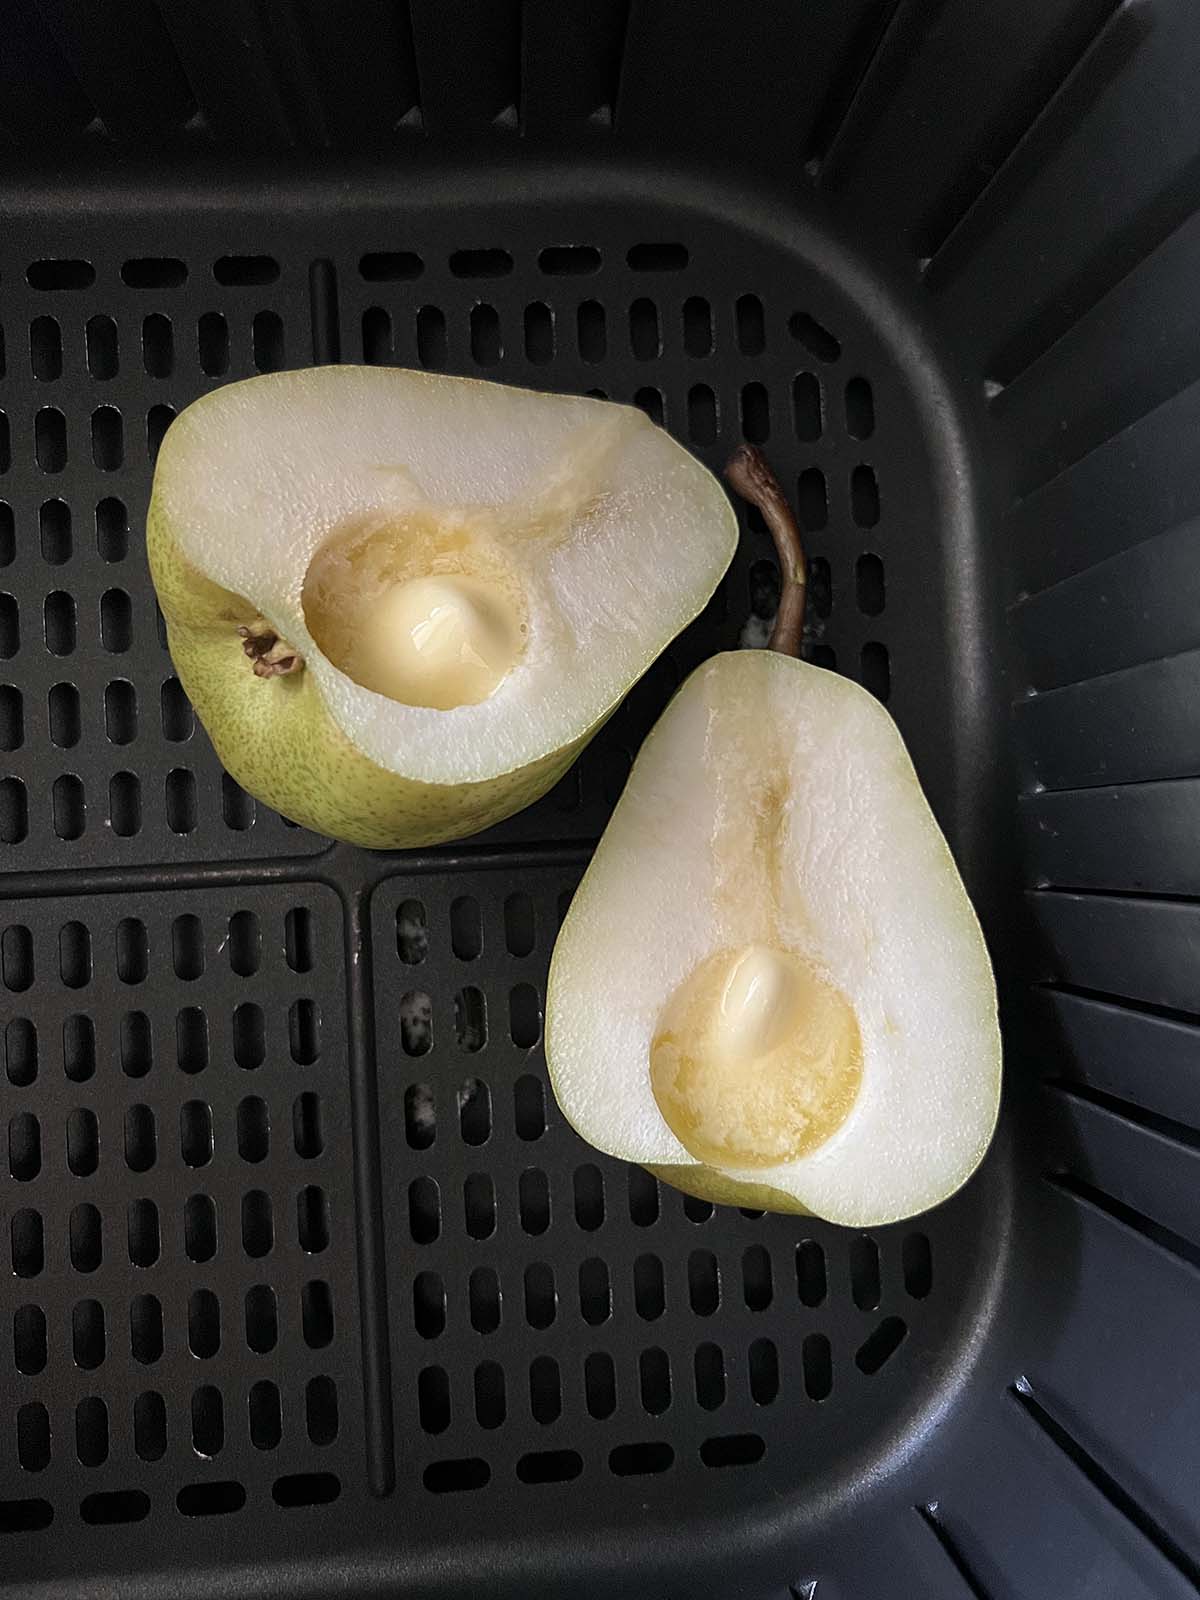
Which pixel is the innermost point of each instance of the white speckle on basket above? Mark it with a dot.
(416, 1022)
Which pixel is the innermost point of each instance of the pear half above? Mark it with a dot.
(401, 603)
(771, 987)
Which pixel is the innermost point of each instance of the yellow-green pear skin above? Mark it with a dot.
(290, 510)
(276, 738)
(706, 1183)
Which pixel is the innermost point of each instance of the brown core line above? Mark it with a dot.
(267, 653)
(750, 474)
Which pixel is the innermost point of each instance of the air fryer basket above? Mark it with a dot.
(305, 1287)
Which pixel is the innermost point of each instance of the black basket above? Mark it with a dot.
(302, 1293)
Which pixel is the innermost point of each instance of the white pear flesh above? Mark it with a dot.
(527, 556)
(774, 813)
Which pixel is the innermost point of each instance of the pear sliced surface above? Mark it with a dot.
(402, 602)
(771, 987)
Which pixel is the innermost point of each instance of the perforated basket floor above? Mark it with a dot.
(306, 1268)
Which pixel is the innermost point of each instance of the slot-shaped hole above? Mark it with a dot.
(158, 419)
(475, 1111)
(141, 1139)
(306, 1489)
(68, 808)
(262, 1318)
(466, 928)
(704, 1282)
(600, 1385)
(212, 341)
(298, 939)
(154, 272)
(539, 333)
(880, 1346)
(524, 1016)
(237, 807)
(16, 957)
(816, 1360)
(120, 711)
(204, 1324)
(245, 943)
(158, 345)
(181, 805)
(267, 341)
(74, 955)
(54, 528)
(112, 530)
(733, 1450)
(50, 439)
(815, 338)
(806, 406)
(59, 623)
(191, 1040)
(175, 712)
(429, 1304)
(649, 1290)
(245, 272)
(91, 1432)
(702, 414)
(875, 670)
(545, 1390)
(755, 413)
(916, 1261)
(79, 1049)
(258, 1224)
(751, 325)
(757, 1285)
(420, 1116)
(541, 1297)
(150, 1426)
(312, 1219)
(458, 1476)
(656, 257)
(763, 1362)
(708, 1367)
(25, 1516)
(533, 1192)
(116, 621)
(654, 1376)
(266, 1415)
(416, 1022)
(321, 1410)
(21, 1050)
(304, 1032)
(200, 1228)
(820, 586)
(860, 409)
(212, 1499)
(487, 345)
(470, 1019)
(142, 1233)
(45, 349)
(12, 718)
(697, 326)
(137, 1054)
(249, 1036)
(481, 263)
(697, 1210)
(10, 627)
(390, 266)
(24, 1146)
(569, 260)
(483, 1300)
(27, 1242)
(645, 335)
(83, 1142)
(86, 1237)
(108, 438)
(195, 1133)
(187, 946)
(308, 1137)
(591, 331)
(431, 337)
(479, 1205)
(29, 1339)
(133, 950)
(520, 926)
(490, 1404)
(111, 1507)
(529, 1109)
(14, 811)
(595, 1292)
(88, 1340)
(864, 496)
(424, 1210)
(412, 933)
(208, 1421)
(433, 1399)
(764, 589)
(100, 345)
(864, 1272)
(643, 1197)
(650, 400)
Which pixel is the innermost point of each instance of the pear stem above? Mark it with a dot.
(750, 474)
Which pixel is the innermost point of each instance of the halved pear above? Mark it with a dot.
(401, 603)
(771, 987)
